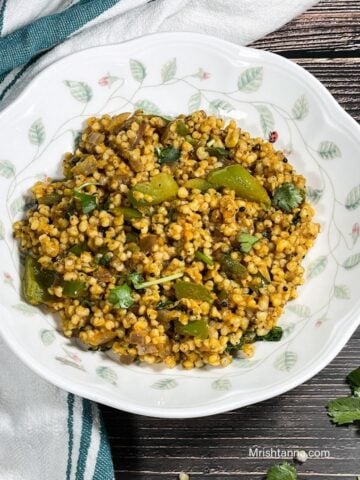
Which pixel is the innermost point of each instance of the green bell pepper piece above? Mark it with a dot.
(161, 187)
(231, 267)
(74, 288)
(36, 282)
(195, 328)
(50, 199)
(239, 179)
(128, 212)
(199, 184)
(192, 290)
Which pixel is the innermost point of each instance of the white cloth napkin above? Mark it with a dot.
(46, 433)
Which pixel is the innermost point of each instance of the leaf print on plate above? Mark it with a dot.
(267, 121)
(221, 385)
(165, 384)
(286, 361)
(250, 80)
(2, 230)
(108, 374)
(148, 107)
(288, 328)
(7, 168)
(25, 308)
(342, 291)
(353, 198)
(313, 195)
(300, 108)
(218, 106)
(137, 69)
(168, 70)
(194, 102)
(245, 363)
(17, 206)
(352, 261)
(317, 266)
(302, 311)
(329, 150)
(36, 132)
(47, 337)
(81, 91)
(70, 363)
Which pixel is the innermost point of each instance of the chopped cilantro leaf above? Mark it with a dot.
(282, 471)
(287, 197)
(121, 296)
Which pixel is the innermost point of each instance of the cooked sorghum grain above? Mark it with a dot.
(90, 255)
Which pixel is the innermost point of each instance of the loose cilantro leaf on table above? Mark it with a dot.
(282, 471)
(344, 410)
(354, 381)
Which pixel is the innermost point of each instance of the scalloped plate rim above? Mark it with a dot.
(349, 322)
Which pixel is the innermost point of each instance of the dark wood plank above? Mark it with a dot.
(218, 447)
(341, 76)
(319, 31)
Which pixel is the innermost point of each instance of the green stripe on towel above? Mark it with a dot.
(85, 439)
(70, 426)
(20, 46)
(104, 467)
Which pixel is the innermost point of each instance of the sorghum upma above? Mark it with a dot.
(176, 241)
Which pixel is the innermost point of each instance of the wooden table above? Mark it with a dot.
(326, 41)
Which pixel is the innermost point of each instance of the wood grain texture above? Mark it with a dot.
(217, 447)
(341, 76)
(321, 31)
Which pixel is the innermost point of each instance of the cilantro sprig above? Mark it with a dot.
(354, 381)
(282, 471)
(287, 197)
(345, 410)
(246, 241)
(121, 296)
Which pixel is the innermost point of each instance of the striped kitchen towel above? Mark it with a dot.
(47, 433)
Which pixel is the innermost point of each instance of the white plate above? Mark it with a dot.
(171, 74)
